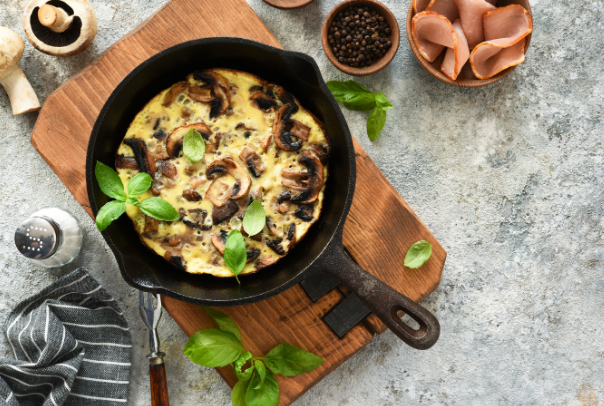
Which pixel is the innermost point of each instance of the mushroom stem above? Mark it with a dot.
(22, 97)
(54, 18)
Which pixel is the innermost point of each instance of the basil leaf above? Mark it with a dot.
(266, 395)
(213, 348)
(418, 254)
(109, 212)
(139, 184)
(341, 90)
(382, 102)
(224, 322)
(193, 145)
(239, 363)
(261, 369)
(360, 106)
(238, 394)
(255, 218)
(109, 181)
(375, 122)
(158, 208)
(360, 99)
(289, 360)
(234, 253)
(133, 200)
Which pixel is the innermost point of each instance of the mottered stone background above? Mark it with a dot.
(509, 178)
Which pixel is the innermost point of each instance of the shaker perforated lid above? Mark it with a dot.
(37, 237)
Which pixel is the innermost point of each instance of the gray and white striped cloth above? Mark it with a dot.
(72, 347)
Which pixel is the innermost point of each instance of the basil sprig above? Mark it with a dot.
(357, 97)
(257, 385)
(193, 145)
(111, 184)
(235, 255)
(418, 254)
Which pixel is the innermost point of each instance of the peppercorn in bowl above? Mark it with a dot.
(360, 37)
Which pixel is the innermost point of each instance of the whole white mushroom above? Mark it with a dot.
(22, 97)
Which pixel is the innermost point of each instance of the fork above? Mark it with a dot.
(151, 314)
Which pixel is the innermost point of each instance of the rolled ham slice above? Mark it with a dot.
(470, 13)
(421, 5)
(432, 32)
(456, 57)
(446, 8)
(505, 31)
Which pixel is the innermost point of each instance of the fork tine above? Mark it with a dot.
(141, 298)
(150, 297)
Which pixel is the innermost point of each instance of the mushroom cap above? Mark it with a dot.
(84, 21)
(11, 50)
(227, 164)
(175, 139)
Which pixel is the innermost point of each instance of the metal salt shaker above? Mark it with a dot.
(51, 237)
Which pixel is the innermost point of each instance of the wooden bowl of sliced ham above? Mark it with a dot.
(469, 43)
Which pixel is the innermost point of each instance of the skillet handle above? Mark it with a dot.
(384, 301)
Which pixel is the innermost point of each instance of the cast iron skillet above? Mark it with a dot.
(320, 252)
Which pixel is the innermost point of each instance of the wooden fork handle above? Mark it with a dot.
(159, 386)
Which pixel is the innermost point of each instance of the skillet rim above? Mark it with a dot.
(335, 238)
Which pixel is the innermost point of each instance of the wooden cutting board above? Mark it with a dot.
(379, 229)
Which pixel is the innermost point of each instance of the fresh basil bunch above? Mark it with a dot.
(357, 97)
(257, 385)
(235, 255)
(418, 254)
(111, 184)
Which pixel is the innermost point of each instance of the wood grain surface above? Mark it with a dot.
(288, 4)
(376, 239)
(159, 385)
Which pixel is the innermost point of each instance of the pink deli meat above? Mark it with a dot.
(447, 8)
(456, 57)
(432, 32)
(471, 13)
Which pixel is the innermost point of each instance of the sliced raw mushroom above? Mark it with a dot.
(265, 261)
(221, 96)
(125, 162)
(253, 161)
(305, 212)
(175, 139)
(144, 157)
(309, 183)
(167, 169)
(225, 212)
(151, 225)
(289, 133)
(202, 94)
(276, 246)
(219, 241)
(191, 195)
(175, 260)
(221, 166)
(173, 93)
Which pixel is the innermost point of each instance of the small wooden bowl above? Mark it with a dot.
(288, 4)
(395, 37)
(466, 77)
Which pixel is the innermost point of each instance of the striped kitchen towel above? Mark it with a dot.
(71, 344)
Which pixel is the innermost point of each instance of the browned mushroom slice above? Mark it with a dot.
(171, 241)
(262, 101)
(321, 152)
(191, 195)
(309, 183)
(265, 261)
(217, 192)
(282, 128)
(257, 237)
(125, 162)
(305, 212)
(276, 246)
(300, 130)
(272, 227)
(225, 212)
(173, 93)
(226, 164)
(253, 161)
(174, 141)
(202, 94)
(151, 225)
(167, 169)
(175, 260)
(196, 181)
(160, 134)
(283, 95)
(265, 143)
(252, 254)
(220, 91)
(196, 220)
(284, 207)
(219, 241)
(244, 127)
(144, 157)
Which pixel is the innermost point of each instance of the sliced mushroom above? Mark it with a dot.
(174, 141)
(265, 143)
(253, 161)
(257, 194)
(160, 134)
(283, 95)
(202, 94)
(262, 101)
(305, 212)
(265, 261)
(276, 246)
(151, 225)
(245, 127)
(221, 100)
(217, 192)
(284, 207)
(226, 164)
(173, 93)
(191, 195)
(282, 129)
(300, 130)
(175, 260)
(252, 254)
(171, 241)
(144, 157)
(219, 241)
(225, 212)
(196, 181)
(309, 183)
(167, 169)
(321, 151)
(257, 237)
(125, 162)
(272, 227)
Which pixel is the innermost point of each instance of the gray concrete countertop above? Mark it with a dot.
(509, 178)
